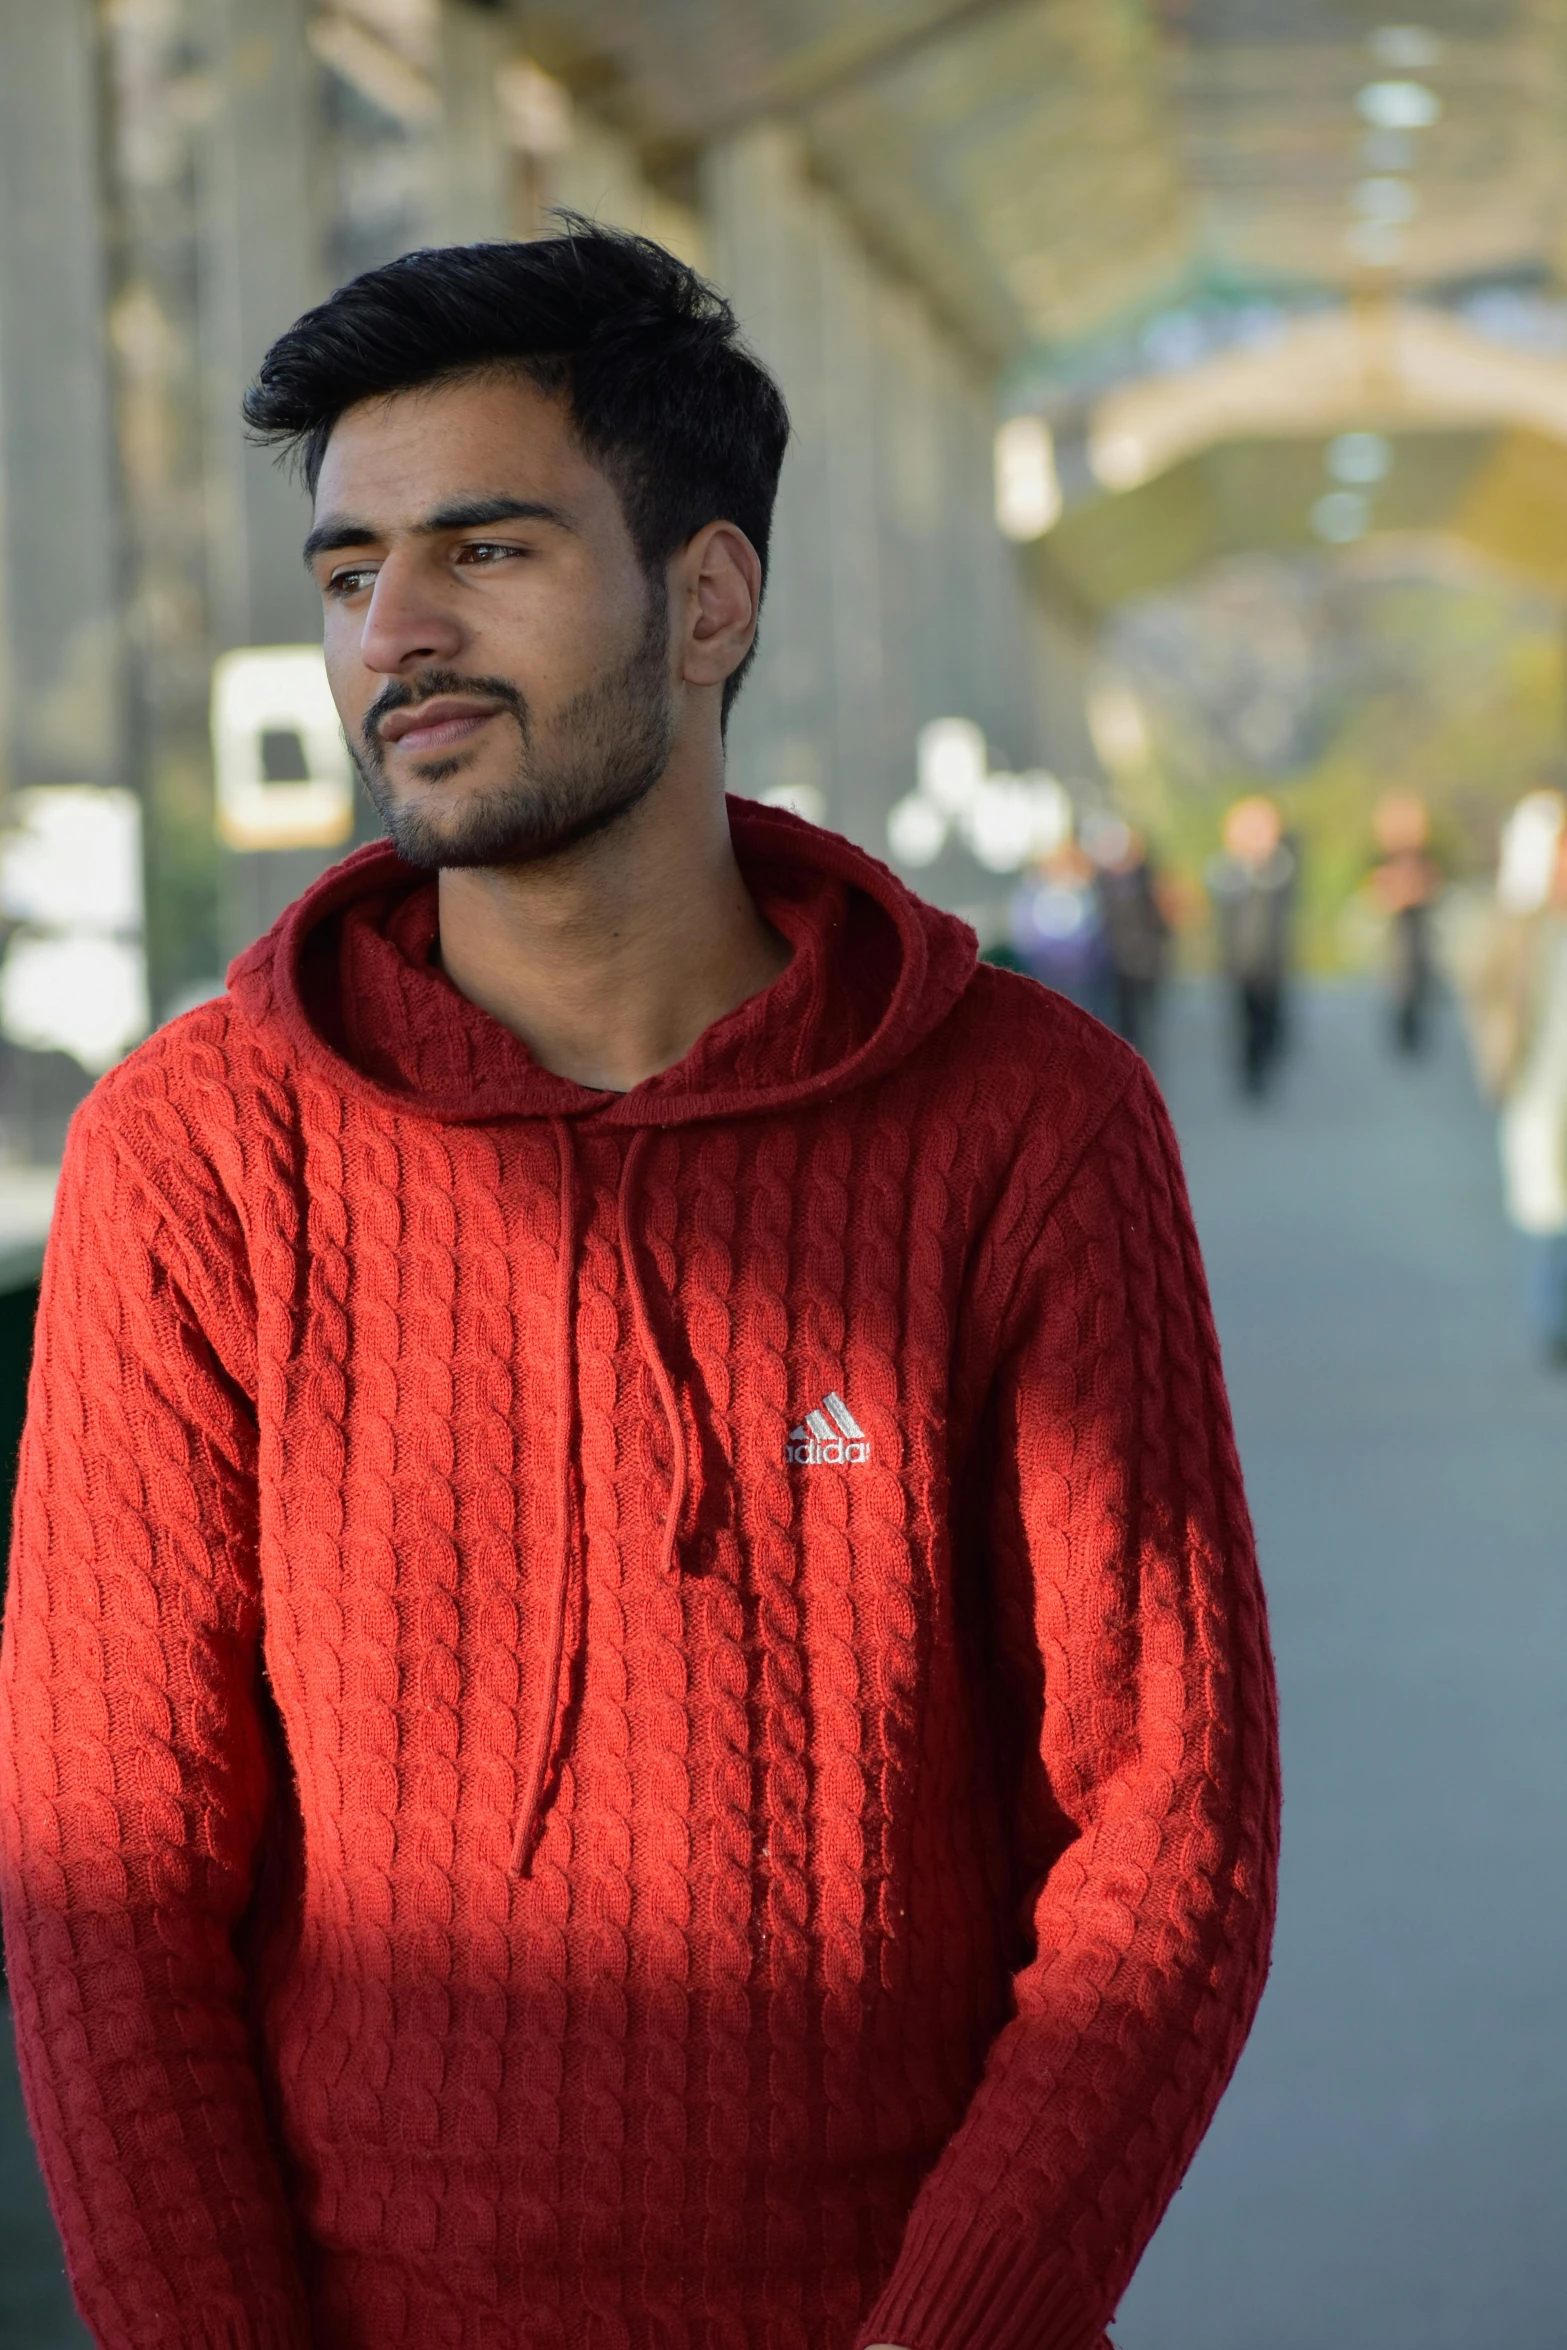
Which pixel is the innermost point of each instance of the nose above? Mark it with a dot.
(408, 623)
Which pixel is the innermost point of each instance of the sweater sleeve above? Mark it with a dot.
(1126, 1610)
(135, 1774)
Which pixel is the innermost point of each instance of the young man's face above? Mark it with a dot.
(499, 657)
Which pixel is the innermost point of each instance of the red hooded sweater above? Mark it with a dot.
(631, 1722)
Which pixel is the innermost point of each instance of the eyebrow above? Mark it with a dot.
(331, 536)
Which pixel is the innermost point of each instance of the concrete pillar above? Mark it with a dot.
(783, 733)
(63, 712)
(472, 185)
(262, 249)
(59, 538)
(865, 726)
(893, 598)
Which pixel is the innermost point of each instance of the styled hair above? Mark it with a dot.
(662, 395)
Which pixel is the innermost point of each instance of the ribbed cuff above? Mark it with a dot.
(261, 2332)
(962, 2285)
(270, 2326)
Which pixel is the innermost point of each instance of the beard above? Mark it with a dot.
(606, 749)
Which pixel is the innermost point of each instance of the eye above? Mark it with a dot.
(486, 551)
(353, 581)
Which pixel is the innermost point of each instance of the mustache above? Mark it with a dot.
(405, 693)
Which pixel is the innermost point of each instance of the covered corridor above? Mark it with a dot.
(1180, 402)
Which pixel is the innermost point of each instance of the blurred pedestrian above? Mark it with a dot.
(1059, 932)
(1137, 935)
(1406, 882)
(1251, 885)
(1517, 1001)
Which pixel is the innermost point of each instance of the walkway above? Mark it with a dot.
(1389, 2171)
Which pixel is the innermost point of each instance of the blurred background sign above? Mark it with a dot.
(74, 974)
(281, 770)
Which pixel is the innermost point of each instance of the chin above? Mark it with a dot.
(467, 826)
(514, 821)
(475, 832)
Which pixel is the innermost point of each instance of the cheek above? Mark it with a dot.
(345, 671)
(556, 629)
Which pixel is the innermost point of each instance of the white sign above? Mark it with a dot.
(70, 858)
(283, 774)
(74, 993)
(74, 977)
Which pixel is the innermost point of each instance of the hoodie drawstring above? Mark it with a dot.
(655, 1362)
(556, 1680)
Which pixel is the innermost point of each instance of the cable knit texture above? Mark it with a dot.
(515, 1835)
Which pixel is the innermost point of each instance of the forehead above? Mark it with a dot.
(400, 455)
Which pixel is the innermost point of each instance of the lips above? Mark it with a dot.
(438, 724)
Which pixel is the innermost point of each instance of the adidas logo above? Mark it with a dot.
(830, 1438)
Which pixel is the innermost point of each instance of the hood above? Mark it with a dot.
(347, 981)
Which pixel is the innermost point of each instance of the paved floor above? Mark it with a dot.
(35, 2302)
(1389, 2171)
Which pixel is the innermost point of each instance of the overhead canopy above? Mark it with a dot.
(1049, 168)
(1500, 497)
(1317, 194)
(1400, 366)
(1321, 140)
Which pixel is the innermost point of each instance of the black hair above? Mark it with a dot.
(661, 392)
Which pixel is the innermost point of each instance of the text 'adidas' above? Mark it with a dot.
(829, 1438)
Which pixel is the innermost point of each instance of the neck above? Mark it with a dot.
(610, 960)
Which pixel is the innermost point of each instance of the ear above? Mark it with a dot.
(719, 576)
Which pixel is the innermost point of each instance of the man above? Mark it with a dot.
(637, 1708)
(1406, 883)
(1137, 931)
(1252, 887)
